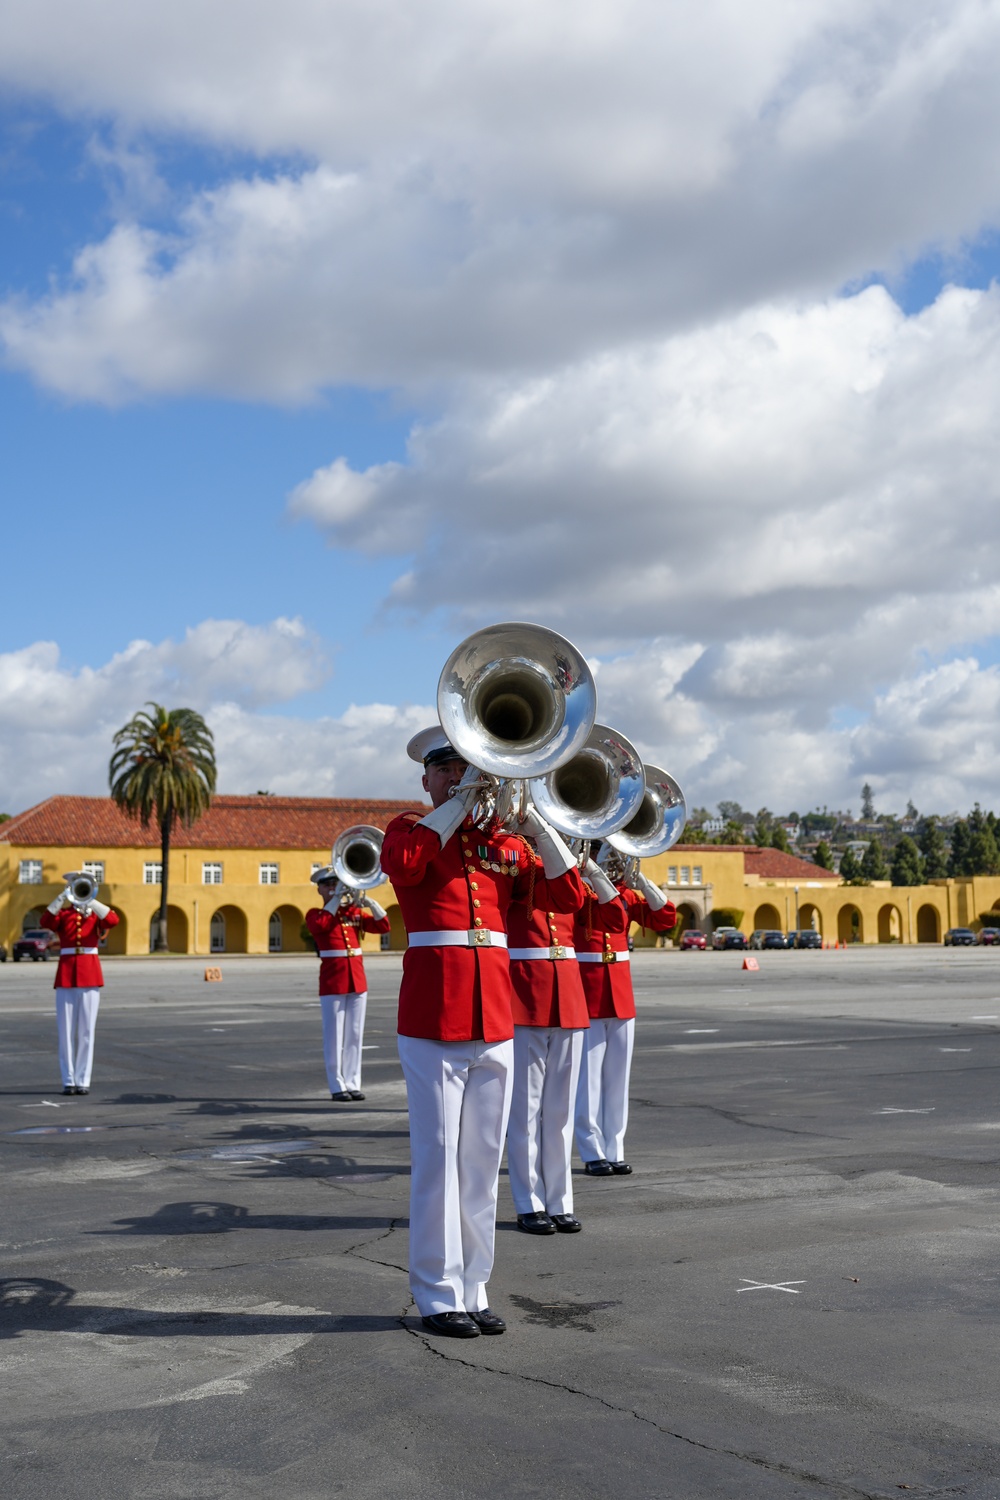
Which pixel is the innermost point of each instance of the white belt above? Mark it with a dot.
(340, 953)
(524, 955)
(75, 952)
(603, 958)
(472, 937)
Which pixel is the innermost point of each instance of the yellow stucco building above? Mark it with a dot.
(239, 879)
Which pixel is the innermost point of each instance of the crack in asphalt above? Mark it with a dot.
(735, 1119)
(772, 1466)
(372, 1259)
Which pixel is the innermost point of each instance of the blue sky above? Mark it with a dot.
(664, 358)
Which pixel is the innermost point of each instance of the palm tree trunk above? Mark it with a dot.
(160, 946)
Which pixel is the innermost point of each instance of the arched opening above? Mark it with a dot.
(115, 942)
(31, 918)
(177, 930)
(890, 925)
(928, 926)
(767, 916)
(687, 917)
(809, 917)
(397, 931)
(284, 931)
(850, 928)
(228, 930)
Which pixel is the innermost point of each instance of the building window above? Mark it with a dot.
(685, 874)
(152, 873)
(697, 874)
(95, 869)
(671, 875)
(217, 933)
(211, 874)
(30, 872)
(269, 874)
(274, 933)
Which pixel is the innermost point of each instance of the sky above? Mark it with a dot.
(331, 333)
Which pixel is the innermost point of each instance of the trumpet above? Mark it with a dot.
(518, 702)
(596, 793)
(656, 826)
(355, 857)
(82, 889)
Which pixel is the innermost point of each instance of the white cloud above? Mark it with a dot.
(489, 188)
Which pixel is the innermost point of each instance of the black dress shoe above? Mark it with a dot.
(454, 1325)
(343, 1098)
(356, 1094)
(78, 1090)
(566, 1224)
(598, 1168)
(621, 1169)
(69, 1089)
(488, 1322)
(535, 1224)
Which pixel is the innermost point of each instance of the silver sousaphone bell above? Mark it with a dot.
(355, 857)
(517, 701)
(658, 823)
(82, 889)
(597, 792)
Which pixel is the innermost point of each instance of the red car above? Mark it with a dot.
(35, 944)
(988, 937)
(693, 938)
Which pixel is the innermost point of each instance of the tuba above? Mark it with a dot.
(83, 889)
(517, 702)
(355, 857)
(597, 792)
(658, 823)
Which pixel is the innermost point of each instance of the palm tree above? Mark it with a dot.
(163, 766)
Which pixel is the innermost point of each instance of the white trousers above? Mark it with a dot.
(76, 1023)
(458, 1095)
(602, 1097)
(540, 1132)
(343, 1035)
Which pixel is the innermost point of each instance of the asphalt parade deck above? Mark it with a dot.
(203, 1289)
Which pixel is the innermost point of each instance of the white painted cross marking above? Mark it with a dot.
(770, 1286)
(929, 1111)
(45, 1104)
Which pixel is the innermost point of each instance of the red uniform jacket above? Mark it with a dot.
(78, 971)
(604, 930)
(546, 991)
(462, 994)
(339, 933)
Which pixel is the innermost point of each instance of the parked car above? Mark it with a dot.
(959, 937)
(805, 937)
(694, 938)
(767, 937)
(988, 937)
(35, 944)
(3, 954)
(728, 937)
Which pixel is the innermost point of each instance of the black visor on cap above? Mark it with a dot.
(441, 756)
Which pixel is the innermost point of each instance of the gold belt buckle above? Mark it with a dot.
(479, 936)
(608, 958)
(558, 952)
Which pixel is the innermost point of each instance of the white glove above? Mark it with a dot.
(99, 909)
(378, 912)
(450, 815)
(56, 906)
(333, 905)
(655, 898)
(602, 887)
(556, 858)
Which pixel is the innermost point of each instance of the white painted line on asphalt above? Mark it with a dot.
(770, 1286)
(954, 1049)
(370, 1047)
(928, 1111)
(702, 1031)
(45, 1104)
(984, 1018)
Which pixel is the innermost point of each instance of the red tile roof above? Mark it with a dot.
(768, 864)
(230, 823)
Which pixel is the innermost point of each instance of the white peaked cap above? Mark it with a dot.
(427, 742)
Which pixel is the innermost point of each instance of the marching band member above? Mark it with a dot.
(343, 990)
(550, 1021)
(78, 981)
(601, 937)
(455, 884)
